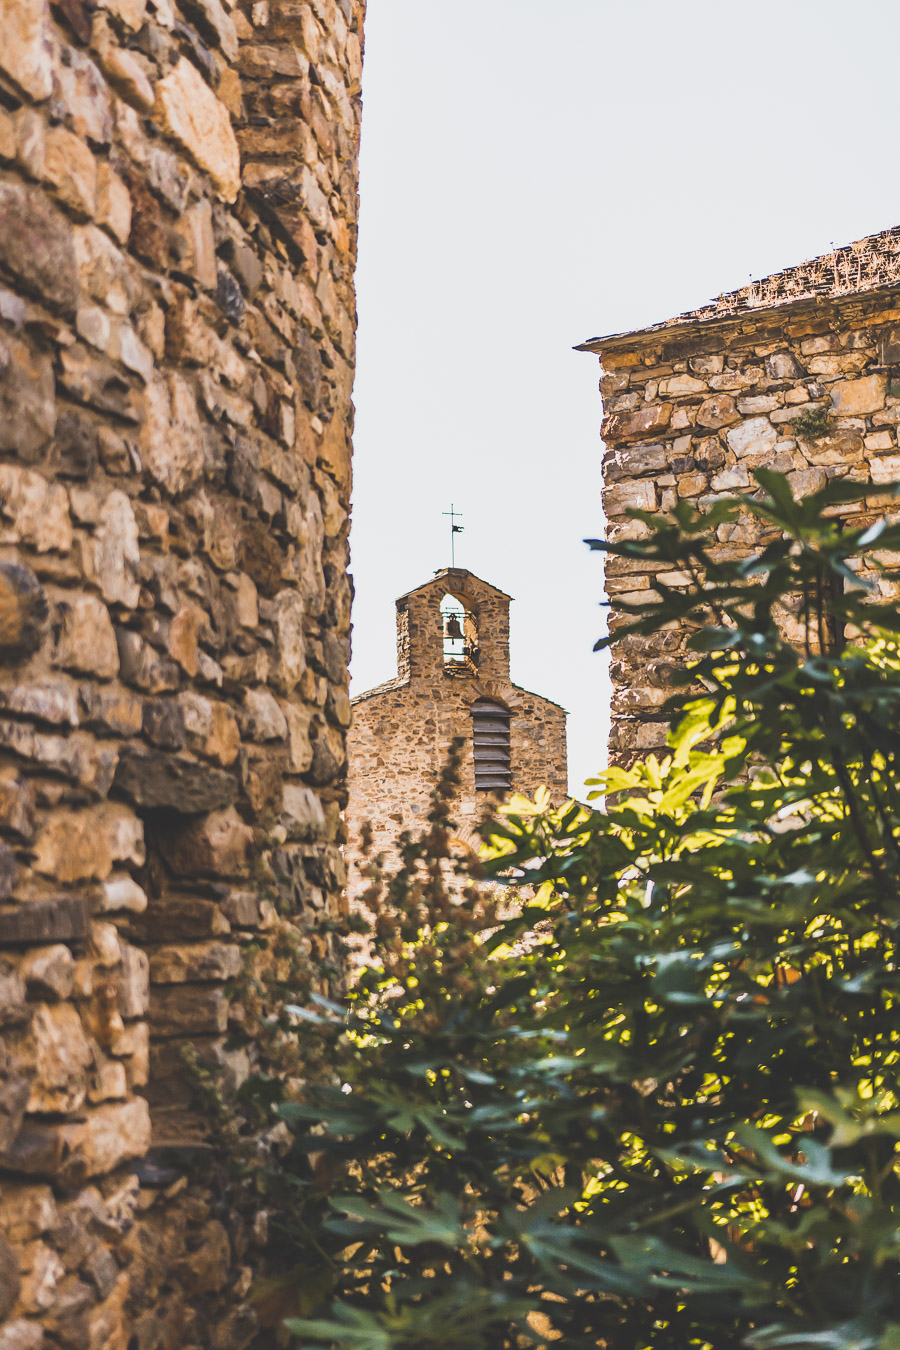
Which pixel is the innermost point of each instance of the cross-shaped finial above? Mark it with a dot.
(454, 531)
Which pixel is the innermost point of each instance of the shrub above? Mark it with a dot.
(654, 1103)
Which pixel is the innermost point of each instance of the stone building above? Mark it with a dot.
(178, 205)
(799, 372)
(452, 681)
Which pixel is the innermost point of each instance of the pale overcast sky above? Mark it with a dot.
(534, 174)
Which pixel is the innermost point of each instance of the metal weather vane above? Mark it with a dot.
(454, 530)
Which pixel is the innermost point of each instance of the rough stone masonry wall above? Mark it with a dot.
(691, 411)
(402, 731)
(178, 202)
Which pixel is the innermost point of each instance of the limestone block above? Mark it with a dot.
(48, 972)
(104, 271)
(107, 1137)
(63, 919)
(676, 386)
(38, 510)
(109, 1083)
(27, 52)
(195, 229)
(189, 111)
(131, 12)
(63, 1057)
(733, 479)
(155, 779)
(639, 496)
(217, 22)
(23, 612)
(43, 1271)
(86, 641)
(858, 398)
(188, 1010)
(195, 964)
(290, 646)
(117, 553)
(171, 440)
(886, 469)
(81, 97)
(754, 437)
(261, 719)
(122, 893)
(646, 422)
(113, 712)
(216, 845)
(113, 202)
(36, 240)
(134, 982)
(185, 920)
(28, 1211)
(211, 728)
(70, 166)
(84, 845)
(21, 1335)
(303, 817)
(184, 634)
(27, 400)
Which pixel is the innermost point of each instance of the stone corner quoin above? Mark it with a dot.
(799, 373)
(178, 224)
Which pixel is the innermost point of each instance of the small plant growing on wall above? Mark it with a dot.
(813, 425)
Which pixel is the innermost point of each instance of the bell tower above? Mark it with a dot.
(453, 681)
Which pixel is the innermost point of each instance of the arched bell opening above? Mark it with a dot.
(460, 637)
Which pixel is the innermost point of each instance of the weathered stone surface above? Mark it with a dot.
(117, 557)
(27, 50)
(195, 964)
(217, 845)
(107, 1137)
(62, 1056)
(169, 782)
(48, 972)
(290, 646)
(754, 437)
(86, 641)
(39, 921)
(858, 398)
(38, 510)
(10, 1281)
(261, 718)
(172, 445)
(185, 1010)
(188, 110)
(23, 612)
(83, 845)
(27, 399)
(36, 243)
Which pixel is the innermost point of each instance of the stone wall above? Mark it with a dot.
(401, 731)
(178, 204)
(692, 407)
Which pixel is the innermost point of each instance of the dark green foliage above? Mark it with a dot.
(813, 425)
(655, 1105)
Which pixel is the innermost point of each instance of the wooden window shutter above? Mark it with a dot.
(491, 746)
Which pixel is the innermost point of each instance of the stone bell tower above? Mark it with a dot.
(452, 680)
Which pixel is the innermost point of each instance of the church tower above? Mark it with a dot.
(453, 680)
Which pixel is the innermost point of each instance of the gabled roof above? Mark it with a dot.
(454, 576)
(866, 265)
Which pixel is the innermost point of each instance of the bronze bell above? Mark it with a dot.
(453, 629)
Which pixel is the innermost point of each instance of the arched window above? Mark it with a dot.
(491, 746)
(460, 637)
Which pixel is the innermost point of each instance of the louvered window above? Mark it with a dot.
(490, 728)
